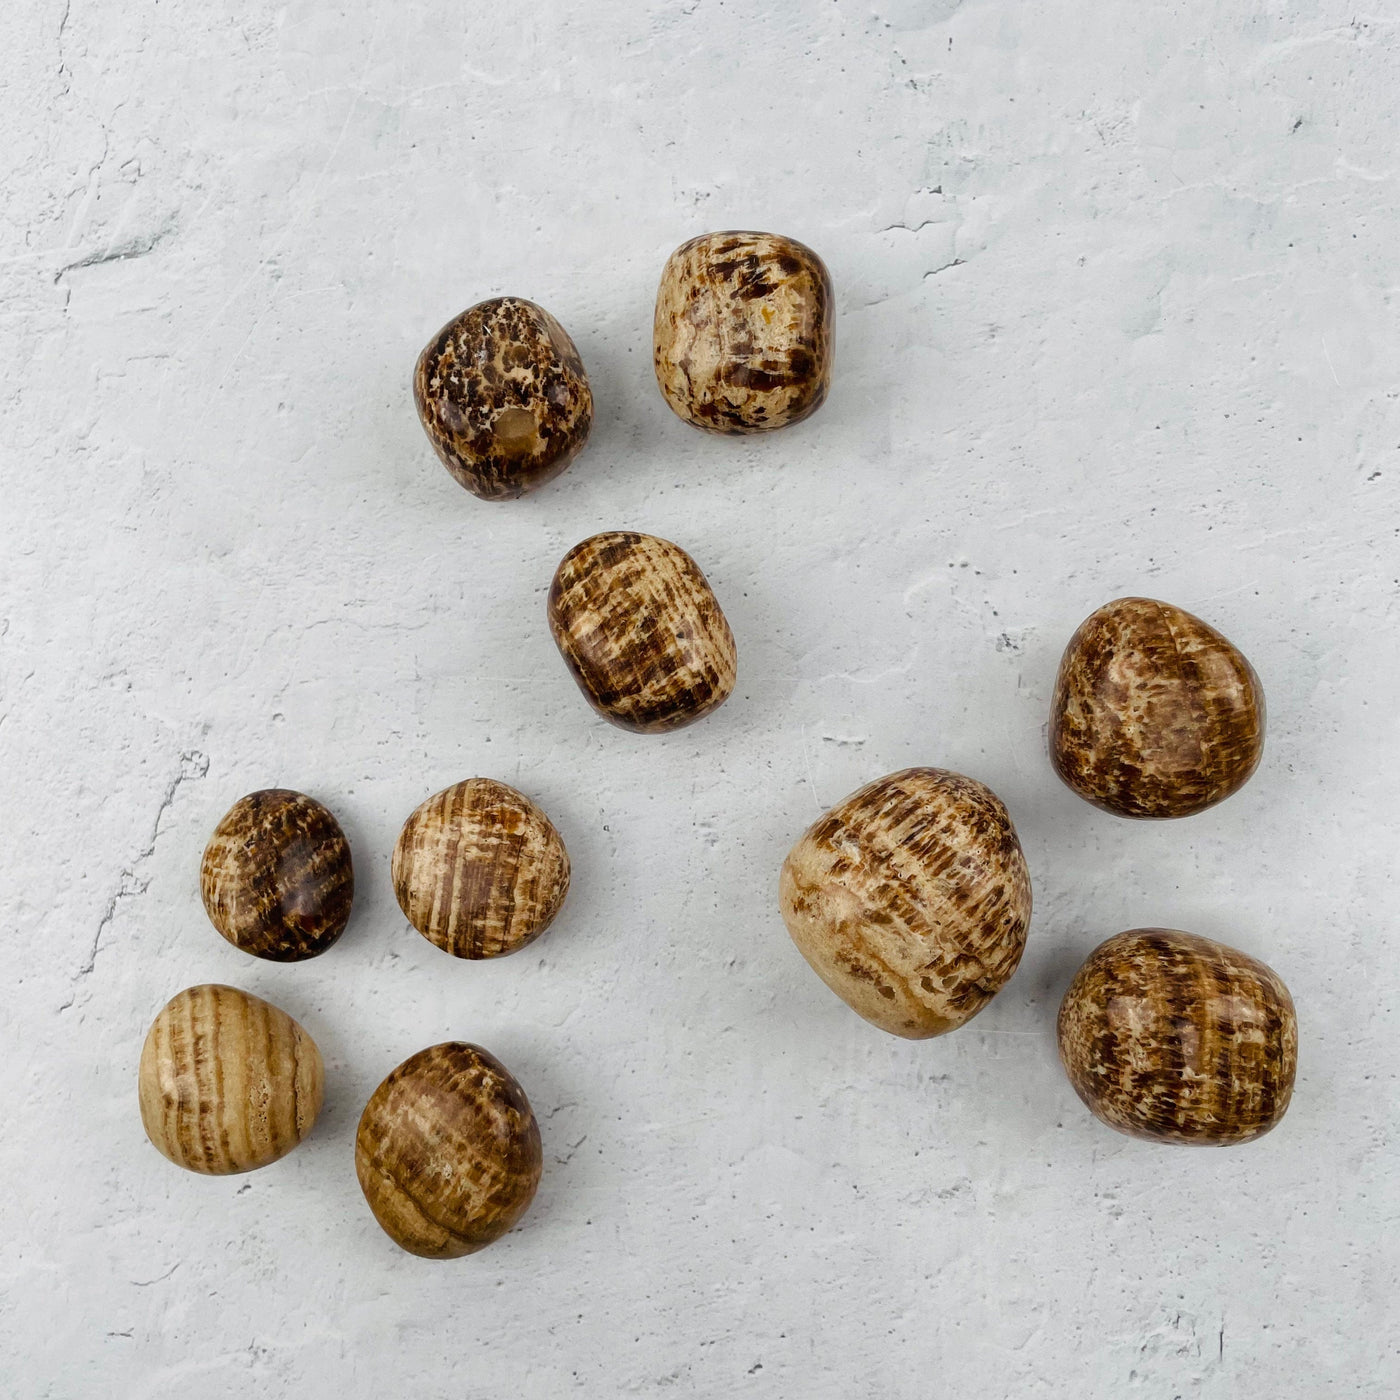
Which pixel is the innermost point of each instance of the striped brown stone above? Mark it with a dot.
(227, 1082)
(640, 629)
(276, 877)
(1155, 714)
(911, 900)
(743, 332)
(1169, 1036)
(448, 1152)
(502, 394)
(479, 869)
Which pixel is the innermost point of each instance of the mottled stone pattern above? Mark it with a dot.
(642, 632)
(911, 900)
(448, 1151)
(743, 334)
(1155, 714)
(480, 870)
(227, 1082)
(503, 397)
(1174, 1037)
(276, 877)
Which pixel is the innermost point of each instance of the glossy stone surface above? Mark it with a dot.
(276, 878)
(743, 332)
(503, 397)
(911, 900)
(641, 631)
(1169, 1036)
(227, 1081)
(480, 870)
(448, 1152)
(1155, 714)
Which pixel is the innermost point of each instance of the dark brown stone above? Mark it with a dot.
(1170, 1036)
(276, 878)
(641, 631)
(448, 1152)
(1155, 714)
(503, 397)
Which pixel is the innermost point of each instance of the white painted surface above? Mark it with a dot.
(1117, 290)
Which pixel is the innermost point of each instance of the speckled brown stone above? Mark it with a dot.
(227, 1082)
(276, 878)
(504, 400)
(911, 900)
(480, 870)
(1168, 1036)
(1155, 714)
(743, 333)
(641, 631)
(448, 1152)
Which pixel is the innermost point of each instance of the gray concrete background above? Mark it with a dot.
(1117, 313)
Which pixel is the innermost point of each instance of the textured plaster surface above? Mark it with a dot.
(1116, 313)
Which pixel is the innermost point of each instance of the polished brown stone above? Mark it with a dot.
(503, 397)
(641, 631)
(1173, 1037)
(480, 870)
(448, 1152)
(276, 877)
(911, 900)
(227, 1082)
(743, 332)
(1155, 714)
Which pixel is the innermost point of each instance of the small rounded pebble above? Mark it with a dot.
(743, 333)
(276, 878)
(503, 397)
(641, 631)
(448, 1152)
(1155, 714)
(227, 1082)
(911, 900)
(1172, 1037)
(479, 870)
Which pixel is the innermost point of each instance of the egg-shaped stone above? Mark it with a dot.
(448, 1152)
(227, 1081)
(1155, 714)
(1177, 1038)
(640, 629)
(911, 900)
(276, 878)
(502, 394)
(743, 332)
(479, 869)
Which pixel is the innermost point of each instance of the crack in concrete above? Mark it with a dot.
(193, 765)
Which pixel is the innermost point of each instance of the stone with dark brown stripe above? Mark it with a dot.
(448, 1152)
(640, 629)
(276, 878)
(1173, 1037)
(227, 1082)
(743, 332)
(502, 394)
(479, 870)
(1155, 714)
(911, 900)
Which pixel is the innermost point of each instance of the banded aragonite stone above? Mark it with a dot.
(227, 1081)
(743, 332)
(1155, 714)
(276, 877)
(911, 900)
(502, 394)
(448, 1152)
(479, 869)
(1177, 1038)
